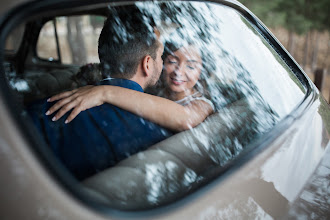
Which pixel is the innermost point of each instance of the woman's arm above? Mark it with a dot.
(153, 108)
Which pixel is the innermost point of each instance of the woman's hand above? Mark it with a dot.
(78, 99)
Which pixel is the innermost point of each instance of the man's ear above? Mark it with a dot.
(147, 65)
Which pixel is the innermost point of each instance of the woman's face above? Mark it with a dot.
(182, 69)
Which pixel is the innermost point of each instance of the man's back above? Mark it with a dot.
(100, 137)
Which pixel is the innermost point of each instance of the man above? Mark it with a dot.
(130, 52)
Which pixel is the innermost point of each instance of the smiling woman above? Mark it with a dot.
(203, 141)
(182, 70)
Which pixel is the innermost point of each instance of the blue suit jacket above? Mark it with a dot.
(97, 138)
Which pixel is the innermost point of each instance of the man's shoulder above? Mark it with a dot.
(108, 115)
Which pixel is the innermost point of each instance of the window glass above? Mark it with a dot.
(47, 46)
(77, 36)
(129, 158)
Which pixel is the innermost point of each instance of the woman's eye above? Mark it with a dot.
(191, 67)
(172, 61)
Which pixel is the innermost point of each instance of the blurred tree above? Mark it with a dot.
(96, 21)
(316, 13)
(320, 17)
(297, 17)
(76, 40)
(266, 11)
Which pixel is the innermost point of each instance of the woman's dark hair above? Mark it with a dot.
(88, 74)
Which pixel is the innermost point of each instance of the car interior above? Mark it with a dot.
(166, 171)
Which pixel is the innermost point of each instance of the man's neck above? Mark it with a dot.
(138, 80)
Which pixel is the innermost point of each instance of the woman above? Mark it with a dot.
(181, 107)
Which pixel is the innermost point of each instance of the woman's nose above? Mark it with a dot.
(179, 70)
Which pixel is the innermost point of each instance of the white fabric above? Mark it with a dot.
(193, 97)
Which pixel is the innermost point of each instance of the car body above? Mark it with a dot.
(282, 172)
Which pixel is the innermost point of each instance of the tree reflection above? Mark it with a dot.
(313, 202)
(180, 164)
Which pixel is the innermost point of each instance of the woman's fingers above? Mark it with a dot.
(71, 100)
(66, 94)
(64, 109)
(74, 114)
(81, 103)
(59, 104)
(61, 95)
(66, 97)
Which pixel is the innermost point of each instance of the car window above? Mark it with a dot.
(243, 78)
(47, 46)
(60, 37)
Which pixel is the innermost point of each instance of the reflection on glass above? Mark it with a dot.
(239, 74)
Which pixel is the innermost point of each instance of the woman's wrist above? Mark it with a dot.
(106, 94)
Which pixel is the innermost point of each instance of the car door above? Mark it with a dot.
(252, 159)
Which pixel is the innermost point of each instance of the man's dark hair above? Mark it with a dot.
(127, 36)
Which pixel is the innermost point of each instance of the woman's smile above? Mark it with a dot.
(176, 81)
(182, 69)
